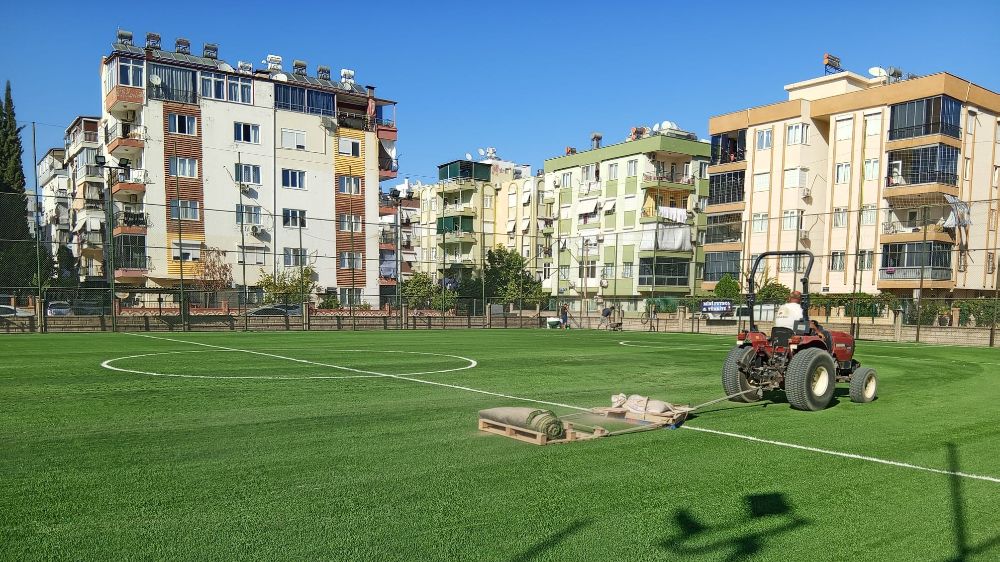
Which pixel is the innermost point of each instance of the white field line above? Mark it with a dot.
(405, 377)
(108, 365)
(844, 455)
(685, 426)
(678, 346)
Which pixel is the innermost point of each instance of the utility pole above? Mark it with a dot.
(243, 242)
(180, 233)
(302, 281)
(39, 305)
(926, 257)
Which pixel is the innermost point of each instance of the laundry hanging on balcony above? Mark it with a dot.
(673, 214)
(673, 237)
(648, 240)
(387, 264)
(959, 219)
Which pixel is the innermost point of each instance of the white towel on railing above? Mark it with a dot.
(674, 214)
(673, 237)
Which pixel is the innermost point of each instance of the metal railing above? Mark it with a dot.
(357, 121)
(935, 128)
(91, 170)
(133, 176)
(383, 122)
(913, 178)
(133, 262)
(388, 164)
(81, 137)
(931, 273)
(132, 218)
(91, 239)
(727, 156)
(124, 131)
(723, 233)
(672, 177)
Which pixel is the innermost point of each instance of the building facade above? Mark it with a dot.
(54, 186)
(398, 209)
(625, 219)
(272, 169)
(891, 184)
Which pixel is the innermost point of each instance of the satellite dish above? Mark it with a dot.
(656, 127)
(482, 152)
(280, 77)
(878, 72)
(225, 67)
(670, 125)
(155, 79)
(468, 156)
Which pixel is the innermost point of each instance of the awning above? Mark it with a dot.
(609, 205)
(526, 196)
(586, 207)
(510, 225)
(409, 256)
(525, 224)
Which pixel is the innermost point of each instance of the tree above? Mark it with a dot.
(12, 171)
(773, 292)
(418, 290)
(506, 276)
(18, 255)
(288, 285)
(727, 288)
(216, 274)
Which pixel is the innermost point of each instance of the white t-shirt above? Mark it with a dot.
(787, 315)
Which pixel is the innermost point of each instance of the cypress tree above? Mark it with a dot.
(13, 170)
(17, 249)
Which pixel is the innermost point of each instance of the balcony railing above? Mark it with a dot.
(133, 176)
(590, 187)
(930, 176)
(672, 177)
(727, 156)
(935, 128)
(127, 261)
(80, 137)
(93, 171)
(124, 131)
(383, 122)
(93, 204)
(931, 273)
(722, 234)
(718, 275)
(388, 164)
(131, 218)
(92, 238)
(357, 121)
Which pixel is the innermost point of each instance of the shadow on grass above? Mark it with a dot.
(959, 525)
(551, 541)
(771, 513)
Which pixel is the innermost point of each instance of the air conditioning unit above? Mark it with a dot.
(130, 116)
(803, 234)
(600, 238)
(256, 230)
(805, 192)
(556, 183)
(244, 188)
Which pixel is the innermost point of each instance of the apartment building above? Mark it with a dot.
(54, 186)
(890, 182)
(86, 193)
(398, 209)
(625, 217)
(275, 169)
(459, 216)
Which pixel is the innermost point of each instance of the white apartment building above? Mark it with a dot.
(276, 169)
(871, 175)
(55, 189)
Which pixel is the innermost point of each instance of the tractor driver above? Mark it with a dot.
(790, 312)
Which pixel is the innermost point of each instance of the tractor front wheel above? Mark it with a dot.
(810, 379)
(864, 385)
(733, 379)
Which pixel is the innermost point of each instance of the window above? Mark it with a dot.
(186, 251)
(512, 197)
(299, 99)
(587, 269)
(720, 264)
(487, 201)
(567, 179)
(840, 217)
(703, 169)
(130, 72)
(293, 218)
(764, 139)
(627, 270)
(632, 168)
(350, 260)
(351, 185)
(613, 171)
(587, 172)
(546, 270)
(760, 222)
(184, 209)
(837, 261)
(247, 214)
(172, 84)
(252, 255)
(350, 296)
(928, 116)
(246, 132)
(762, 182)
(795, 177)
(791, 263)
(663, 272)
(791, 219)
(213, 85)
(865, 260)
(869, 213)
(181, 124)
(293, 179)
(842, 173)
(183, 167)
(968, 167)
(873, 124)
(725, 188)
(844, 127)
(295, 257)
(927, 164)
(564, 272)
(248, 173)
(798, 133)
(349, 147)
(319, 103)
(871, 168)
(293, 139)
(349, 223)
(240, 89)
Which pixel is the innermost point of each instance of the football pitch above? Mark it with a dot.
(363, 445)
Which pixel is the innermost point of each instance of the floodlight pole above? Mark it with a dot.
(243, 242)
(920, 293)
(39, 310)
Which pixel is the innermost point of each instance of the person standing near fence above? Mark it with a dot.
(564, 316)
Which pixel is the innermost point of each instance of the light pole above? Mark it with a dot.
(123, 167)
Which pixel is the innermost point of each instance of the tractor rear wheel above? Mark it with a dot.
(733, 379)
(810, 379)
(864, 385)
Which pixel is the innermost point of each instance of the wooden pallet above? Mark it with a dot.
(536, 438)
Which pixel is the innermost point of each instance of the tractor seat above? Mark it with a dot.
(780, 336)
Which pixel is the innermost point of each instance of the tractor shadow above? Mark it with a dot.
(552, 540)
(959, 522)
(767, 516)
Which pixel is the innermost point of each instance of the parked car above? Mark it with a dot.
(58, 308)
(291, 309)
(267, 311)
(89, 308)
(11, 312)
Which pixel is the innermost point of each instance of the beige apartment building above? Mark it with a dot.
(891, 183)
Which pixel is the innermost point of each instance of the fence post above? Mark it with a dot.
(993, 323)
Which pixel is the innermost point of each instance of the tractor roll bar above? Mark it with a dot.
(751, 295)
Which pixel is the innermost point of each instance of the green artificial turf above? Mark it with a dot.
(101, 464)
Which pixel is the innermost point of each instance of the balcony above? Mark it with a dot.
(125, 140)
(464, 210)
(80, 138)
(724, 233)
(131, 222)
(653, 213)
(459, 236)
(357, 121)
(936, 128)
(124, 98)
(91, 174)
(930, 273)
(548, 226)
(131, 266)
(668, 180)
(132, 183)
(590, 188)
(913, 231)
(92, 240)
(925, 187)
(388, 168)
(458, 185)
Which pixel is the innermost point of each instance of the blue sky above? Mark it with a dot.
(529, 78)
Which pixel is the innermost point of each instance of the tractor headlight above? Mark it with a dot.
(793, 347)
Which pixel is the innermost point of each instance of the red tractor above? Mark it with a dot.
(806, 361)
